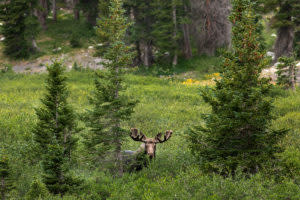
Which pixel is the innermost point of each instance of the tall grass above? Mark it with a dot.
(164, 103)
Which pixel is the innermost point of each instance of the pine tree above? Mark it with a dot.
(237, 131)
(19, 28)
(37, 190)
(5, 177)
(13, 14)
(286, 72)
(54, 132)
(140, 33)
(168, 17)
(110, 106)
(159, 24)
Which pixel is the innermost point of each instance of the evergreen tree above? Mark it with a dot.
(110, 106)
(54, 132)
(297, 44)
(90, 8)
(140, 33)
(168, 17)
(286, 72)
(286, 20)
(5, 177)
(159, 24)
(237, 132)
(37, 190)
(13, 13)
(16, 15)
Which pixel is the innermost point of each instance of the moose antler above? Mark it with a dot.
(167, 136)
(134, 135)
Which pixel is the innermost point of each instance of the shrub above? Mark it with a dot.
(6, 68)
(287, 72)
(75, 41)
(37, 190)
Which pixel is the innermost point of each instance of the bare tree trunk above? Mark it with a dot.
(187, 49)
(137, 59)
(210, 25)
(175, 58)
(54, 10)
(284, 42)
(76, 10)
(42, 13)
(118, 142)
(34, 45)
(147, 54)
(33, 42)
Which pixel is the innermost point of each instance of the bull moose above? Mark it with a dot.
(147, 149)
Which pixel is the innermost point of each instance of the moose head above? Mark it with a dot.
(149, 144)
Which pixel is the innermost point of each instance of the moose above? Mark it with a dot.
(146, 150)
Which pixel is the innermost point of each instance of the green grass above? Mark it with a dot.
(60, 33)
(164, 103)
(196, 68)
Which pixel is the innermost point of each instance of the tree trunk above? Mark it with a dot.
(137, 59)
(34, 45)
(91, 18)
(117, 136)
(175, 58)
(54, 10)
(147, 54)
(119, 159)
(76, 10)
(187, 49)
(210, 25)
(284, 42)
(42, 13)
(2, 188)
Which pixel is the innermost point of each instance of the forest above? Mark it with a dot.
(149, 99)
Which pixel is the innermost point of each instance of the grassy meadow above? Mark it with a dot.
(169, 98)
(164, 103)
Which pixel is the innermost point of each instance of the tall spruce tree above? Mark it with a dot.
(54, 132)
(13, 14)
(110, 106)
(161, 25)
(141, 12)
(166, 33)
(19, 28)
(236, 133)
